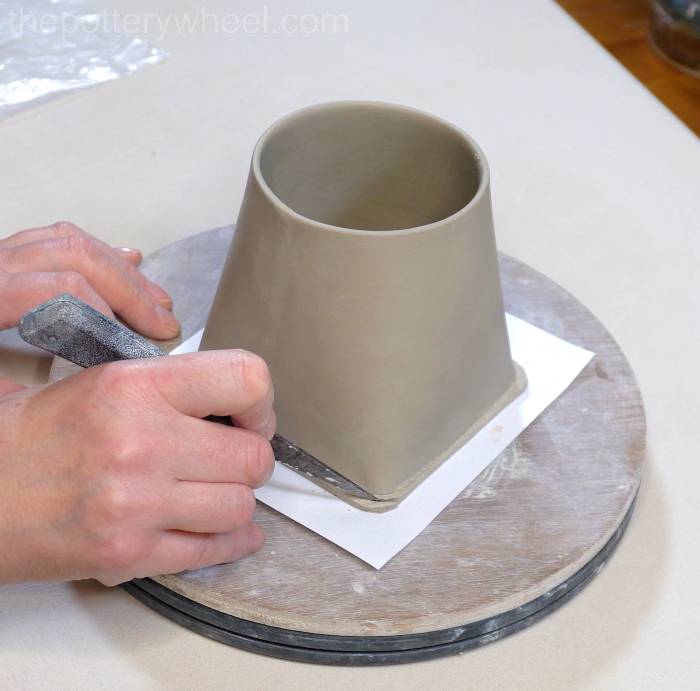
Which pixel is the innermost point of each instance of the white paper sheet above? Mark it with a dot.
(551, 365)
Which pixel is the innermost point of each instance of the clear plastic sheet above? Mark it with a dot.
(48, 47)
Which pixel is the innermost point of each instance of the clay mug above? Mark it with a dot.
(364, 270)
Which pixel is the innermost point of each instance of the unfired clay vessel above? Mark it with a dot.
(363, 269)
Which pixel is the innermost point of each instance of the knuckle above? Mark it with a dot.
(253, 374)
(116, 379)
(119, 552)
(78, 244)
(131, 293)
(72, 282)
(63, 228)
(121, 450)
(259, 459)
(113, 504)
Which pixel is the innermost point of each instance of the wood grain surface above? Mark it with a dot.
(622, 28)
(539, 513)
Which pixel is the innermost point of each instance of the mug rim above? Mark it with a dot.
(479, 157)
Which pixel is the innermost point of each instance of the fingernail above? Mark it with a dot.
(160, 295)
(131, 252)
(168, 320)
(271, 425)
(256, 538)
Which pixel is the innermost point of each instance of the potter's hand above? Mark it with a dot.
(110, 474)
(38, 264)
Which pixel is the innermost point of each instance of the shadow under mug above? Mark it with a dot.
(364, 270)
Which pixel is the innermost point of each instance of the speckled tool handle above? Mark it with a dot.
(71, 329)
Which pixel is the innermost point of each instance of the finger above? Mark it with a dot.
(215, 382)
(61, 229)
(204, 452)
(129, 254)
(259, 417)
(65, 229)
(207, 507)
(134, 257)
(271, 423)
(180, 551)
(116, 280)
(7, 386)
(23, 292)
(159, 294)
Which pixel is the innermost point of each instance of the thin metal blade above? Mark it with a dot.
(306, 464)
(71, 329)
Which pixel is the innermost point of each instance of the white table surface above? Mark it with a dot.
(595, 183)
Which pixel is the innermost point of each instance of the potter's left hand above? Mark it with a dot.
(40, 263)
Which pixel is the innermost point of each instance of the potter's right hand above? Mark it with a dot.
(111, 473)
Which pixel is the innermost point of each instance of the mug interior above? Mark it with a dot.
(369, 166)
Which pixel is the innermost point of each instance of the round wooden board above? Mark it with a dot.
(528, 533)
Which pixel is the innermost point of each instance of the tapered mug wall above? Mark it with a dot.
(364, 270)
